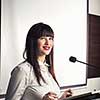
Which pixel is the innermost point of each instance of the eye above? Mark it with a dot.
(42, 38)
(50, 38)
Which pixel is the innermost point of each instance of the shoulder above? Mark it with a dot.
(23, 68)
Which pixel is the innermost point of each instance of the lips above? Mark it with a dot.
(46, 47)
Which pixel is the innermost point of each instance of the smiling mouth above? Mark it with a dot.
(46, 47)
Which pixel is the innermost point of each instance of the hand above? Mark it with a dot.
(66, 94)
(50, 96)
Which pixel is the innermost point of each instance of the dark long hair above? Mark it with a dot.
(30, 55)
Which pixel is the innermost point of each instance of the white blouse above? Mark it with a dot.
(23, 84)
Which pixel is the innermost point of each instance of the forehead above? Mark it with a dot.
(47, 34)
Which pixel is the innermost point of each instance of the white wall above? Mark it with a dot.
(94, 7)
(17, 17)
(92, 83)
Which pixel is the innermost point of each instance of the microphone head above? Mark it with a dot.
(72, 59)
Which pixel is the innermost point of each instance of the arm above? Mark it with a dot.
(65, 94)
(53, 96)
(50, 96)
(17, 84)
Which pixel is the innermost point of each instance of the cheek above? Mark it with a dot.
(52, 44)
(39, 45)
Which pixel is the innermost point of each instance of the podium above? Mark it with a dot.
(85, 96)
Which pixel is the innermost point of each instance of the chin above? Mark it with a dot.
(47, 53)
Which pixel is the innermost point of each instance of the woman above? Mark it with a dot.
(34, 79)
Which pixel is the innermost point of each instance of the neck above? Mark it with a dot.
(41, 58)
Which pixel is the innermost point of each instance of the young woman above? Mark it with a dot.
(34, 79)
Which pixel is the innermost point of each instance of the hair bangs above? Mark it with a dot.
(47, 33)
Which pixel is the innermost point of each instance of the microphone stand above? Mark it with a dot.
(74, 59)
(93, 66)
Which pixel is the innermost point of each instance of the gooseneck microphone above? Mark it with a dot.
(74, 59)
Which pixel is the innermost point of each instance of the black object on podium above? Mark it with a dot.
(85, 96)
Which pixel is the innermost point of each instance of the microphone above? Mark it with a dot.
(74, 59)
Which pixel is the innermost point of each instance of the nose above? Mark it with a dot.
(47, 42)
